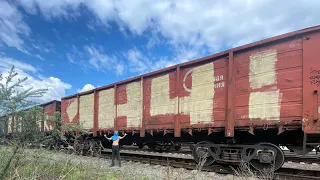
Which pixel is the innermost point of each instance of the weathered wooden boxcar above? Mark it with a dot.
(49, 109)
(239, 104)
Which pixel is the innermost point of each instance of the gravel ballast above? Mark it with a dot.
(137, 170)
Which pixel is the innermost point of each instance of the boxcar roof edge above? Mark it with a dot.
(212, 56)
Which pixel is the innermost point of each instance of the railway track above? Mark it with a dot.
(289, 156)
(188, 163)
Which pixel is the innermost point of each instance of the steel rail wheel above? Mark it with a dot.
(269, 157)
(199, 152)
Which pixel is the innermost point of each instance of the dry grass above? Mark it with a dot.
(42, 164)
(245, 172)
(38, 165)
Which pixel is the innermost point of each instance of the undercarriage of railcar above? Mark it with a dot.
(261, 149)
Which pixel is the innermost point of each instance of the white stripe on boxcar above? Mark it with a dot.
(106, 113)
(10, 120)
(86, 111)
(199, 104)
(46, 127)
(132, 109)
(262, 69)
(161, 103)
(264, 105)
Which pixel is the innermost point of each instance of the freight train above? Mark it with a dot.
(9, 124)
(239, 105)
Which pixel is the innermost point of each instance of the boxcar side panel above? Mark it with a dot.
(160, 100)
(311, 83)
(86, 111)
(70, 110)
(106, 106)
(50, 111)
(269, 84)
(129, 106)
(203, 94)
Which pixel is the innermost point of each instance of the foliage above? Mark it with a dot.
(13, 96)
(16, 114)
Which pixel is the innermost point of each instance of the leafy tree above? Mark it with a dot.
(15, 103)
(13, 97)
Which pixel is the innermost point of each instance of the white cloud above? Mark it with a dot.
(214, 23)
(103, 62)
(56, 87)
(53, 9)
(12, 27)
(74, 55)
(140, 63)
(40, 57)
(86, 87)
(199, 27)
(6, 63)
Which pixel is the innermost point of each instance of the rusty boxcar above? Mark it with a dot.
(237, 105)
(49, 109)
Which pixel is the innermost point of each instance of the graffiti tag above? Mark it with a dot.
(315, 77)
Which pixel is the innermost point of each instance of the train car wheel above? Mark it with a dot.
(266, 158)
(202, 152)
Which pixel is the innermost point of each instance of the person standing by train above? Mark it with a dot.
(115, 146)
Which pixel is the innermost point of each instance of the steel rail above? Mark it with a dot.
(309, 158)
(190, 164)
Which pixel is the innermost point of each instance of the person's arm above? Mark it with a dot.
(123, 136)
(107, 137)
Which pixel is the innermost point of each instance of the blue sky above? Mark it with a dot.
(70, 46)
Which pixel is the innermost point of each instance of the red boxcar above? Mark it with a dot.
(49, 109)
(263, 91)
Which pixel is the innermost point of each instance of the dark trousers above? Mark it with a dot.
(116, 150)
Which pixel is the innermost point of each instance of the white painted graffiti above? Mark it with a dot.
(217, 78)
(184, 81)
(219, 85)
(244, 116)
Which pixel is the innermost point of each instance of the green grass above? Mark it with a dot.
(39, 164)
